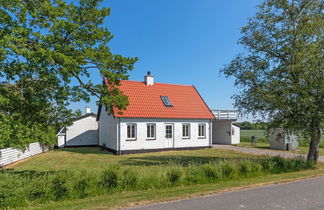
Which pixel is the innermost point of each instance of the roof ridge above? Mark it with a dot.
(157, 83)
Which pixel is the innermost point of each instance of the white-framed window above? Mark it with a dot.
(202, 130)
(186, 131)
(150, 131)
(131, 131)
(168, 131)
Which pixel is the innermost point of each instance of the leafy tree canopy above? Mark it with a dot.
(280, 74)
(48, 48)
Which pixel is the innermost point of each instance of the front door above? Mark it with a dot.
(168, 135)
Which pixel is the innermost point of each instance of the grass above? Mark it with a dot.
(58, 179)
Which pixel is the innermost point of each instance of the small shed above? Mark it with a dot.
(281, 140)
(83, 132)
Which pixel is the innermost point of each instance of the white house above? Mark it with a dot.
(83, 132)
(224, 129)
(159, 117)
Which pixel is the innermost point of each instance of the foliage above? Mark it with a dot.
(48, 49)
(252, 126)
(281, 71)
(28, 188)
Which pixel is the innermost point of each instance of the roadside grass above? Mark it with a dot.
(61, 178)
(133, 198)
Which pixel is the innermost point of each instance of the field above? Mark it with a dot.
(60, 178)
(262, 142)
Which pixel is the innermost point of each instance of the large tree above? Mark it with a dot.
(48, 48)
(280, 73)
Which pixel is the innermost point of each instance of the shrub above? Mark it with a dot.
(245, 168)
(211, 172)
(129, 179)
(81, 187)
(109, 178)
(58, 188)
(228, 170)
(173, 176)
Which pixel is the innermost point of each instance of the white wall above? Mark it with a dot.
(237, 134)
(82, 132)
(160, 142)
(222, 132)
(108, 130)
(11, 155)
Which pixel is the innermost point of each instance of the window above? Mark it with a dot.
(131, 131)
(166, 100)
(202, 130)
(150, 131)
(168, 131)
(185, 130)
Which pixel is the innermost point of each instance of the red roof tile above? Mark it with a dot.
(145, 101)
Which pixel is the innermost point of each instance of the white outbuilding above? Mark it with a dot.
(83, 132)
(281, 140)
(224, 129)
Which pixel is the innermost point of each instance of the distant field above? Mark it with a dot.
(256, 133)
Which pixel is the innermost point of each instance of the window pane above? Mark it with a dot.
(128, 131)
(148, 131)
(153, 131)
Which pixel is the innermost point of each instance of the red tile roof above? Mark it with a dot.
(145, 101)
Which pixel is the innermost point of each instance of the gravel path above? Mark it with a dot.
(263, 151)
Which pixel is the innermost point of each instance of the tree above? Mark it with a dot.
(280, 73)
(47, 50)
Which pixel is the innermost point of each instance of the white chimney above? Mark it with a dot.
(149, 79)
(88, 110)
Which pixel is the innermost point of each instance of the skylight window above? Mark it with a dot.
(166, 101)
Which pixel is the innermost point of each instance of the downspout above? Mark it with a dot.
(118, 140)
(211, 133)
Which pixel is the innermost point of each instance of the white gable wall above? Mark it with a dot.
(160, 142)
(108, 129)
(82, 132)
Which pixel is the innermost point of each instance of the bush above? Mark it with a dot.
(173, 176)
(59, 188)
(211, 172)
(228, 170)
(109, 178)
(81, 187)
(129, 179)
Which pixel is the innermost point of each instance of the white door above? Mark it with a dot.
(61, 141)
(168, 135)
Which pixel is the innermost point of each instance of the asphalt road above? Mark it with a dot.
(305, 194)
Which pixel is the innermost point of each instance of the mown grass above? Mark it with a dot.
(80, 173)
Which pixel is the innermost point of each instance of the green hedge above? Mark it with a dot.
(26, 188)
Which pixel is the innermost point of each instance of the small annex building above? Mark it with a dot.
(159, 117)
(82, 132)
(225, 131)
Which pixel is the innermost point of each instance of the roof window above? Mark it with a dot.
(166, 101)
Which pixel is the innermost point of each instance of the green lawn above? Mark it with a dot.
(94, 161)
(256, 133)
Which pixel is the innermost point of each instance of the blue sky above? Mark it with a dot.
(180, 42)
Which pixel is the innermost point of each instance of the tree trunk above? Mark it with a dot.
(313, 152)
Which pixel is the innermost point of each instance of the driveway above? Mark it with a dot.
(305, 194)
(263, 151)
